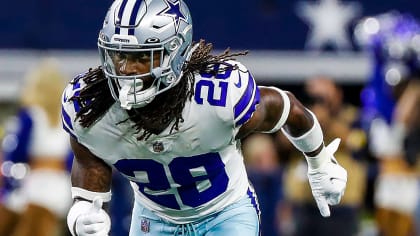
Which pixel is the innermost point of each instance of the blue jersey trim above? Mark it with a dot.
(246, 106)
(77, 93)
(69, 131)
(254, 201)
(66, 122)
(251, 109)
(66, 118)
(246, 97)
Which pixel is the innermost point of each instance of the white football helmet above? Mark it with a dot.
(145, 29)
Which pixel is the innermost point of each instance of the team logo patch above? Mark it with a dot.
(158, 146)
(173, 10)
(145, 225)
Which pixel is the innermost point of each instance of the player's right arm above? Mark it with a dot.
(89, 172)
(90, 175)
(91, 180)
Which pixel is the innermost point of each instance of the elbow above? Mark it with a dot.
(299, 120)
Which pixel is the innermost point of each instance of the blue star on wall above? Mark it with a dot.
(174, 10)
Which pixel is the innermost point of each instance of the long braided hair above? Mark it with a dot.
(95, 98)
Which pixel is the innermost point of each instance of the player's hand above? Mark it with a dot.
(328, 181)
(95, 222)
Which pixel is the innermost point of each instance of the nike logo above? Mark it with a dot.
(239, 83)
(331, 179)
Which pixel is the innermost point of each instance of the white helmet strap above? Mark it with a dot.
(123, 97)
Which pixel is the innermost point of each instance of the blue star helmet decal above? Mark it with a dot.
(174, 10)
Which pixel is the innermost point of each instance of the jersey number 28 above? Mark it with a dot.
(195, 180)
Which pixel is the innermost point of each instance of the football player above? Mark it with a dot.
(169, 115)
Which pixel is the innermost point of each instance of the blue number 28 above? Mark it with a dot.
(212, 86)
(199, 179)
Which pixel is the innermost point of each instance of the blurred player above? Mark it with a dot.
(168, 115)
(36, 199)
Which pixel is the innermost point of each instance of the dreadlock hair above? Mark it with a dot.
(95, 98)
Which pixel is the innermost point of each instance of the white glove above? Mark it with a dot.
(327, 178)
(90, 219)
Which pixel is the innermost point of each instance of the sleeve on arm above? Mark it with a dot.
(69, 109)
(245, 96)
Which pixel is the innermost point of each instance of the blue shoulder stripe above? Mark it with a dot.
(247, 104)
(246, 97)
(66, 118)
(69, 131)
(76, 88)
(251, 108)
(66, 122)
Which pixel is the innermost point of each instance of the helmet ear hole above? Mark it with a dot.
(174, 44)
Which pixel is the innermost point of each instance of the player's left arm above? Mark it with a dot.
(279, 109)
(273, 110)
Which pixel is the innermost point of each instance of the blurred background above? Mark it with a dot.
(354, 63)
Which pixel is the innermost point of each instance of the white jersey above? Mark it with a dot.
(188, 174)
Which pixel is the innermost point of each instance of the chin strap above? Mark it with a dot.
(123, 97)
(128, 103)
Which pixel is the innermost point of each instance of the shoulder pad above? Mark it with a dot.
(70, 107)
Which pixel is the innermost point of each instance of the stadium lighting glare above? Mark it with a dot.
(5, 168)
(9, 143)
(371, 26)
(415, 43)
(393, 76)
(19, 171)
